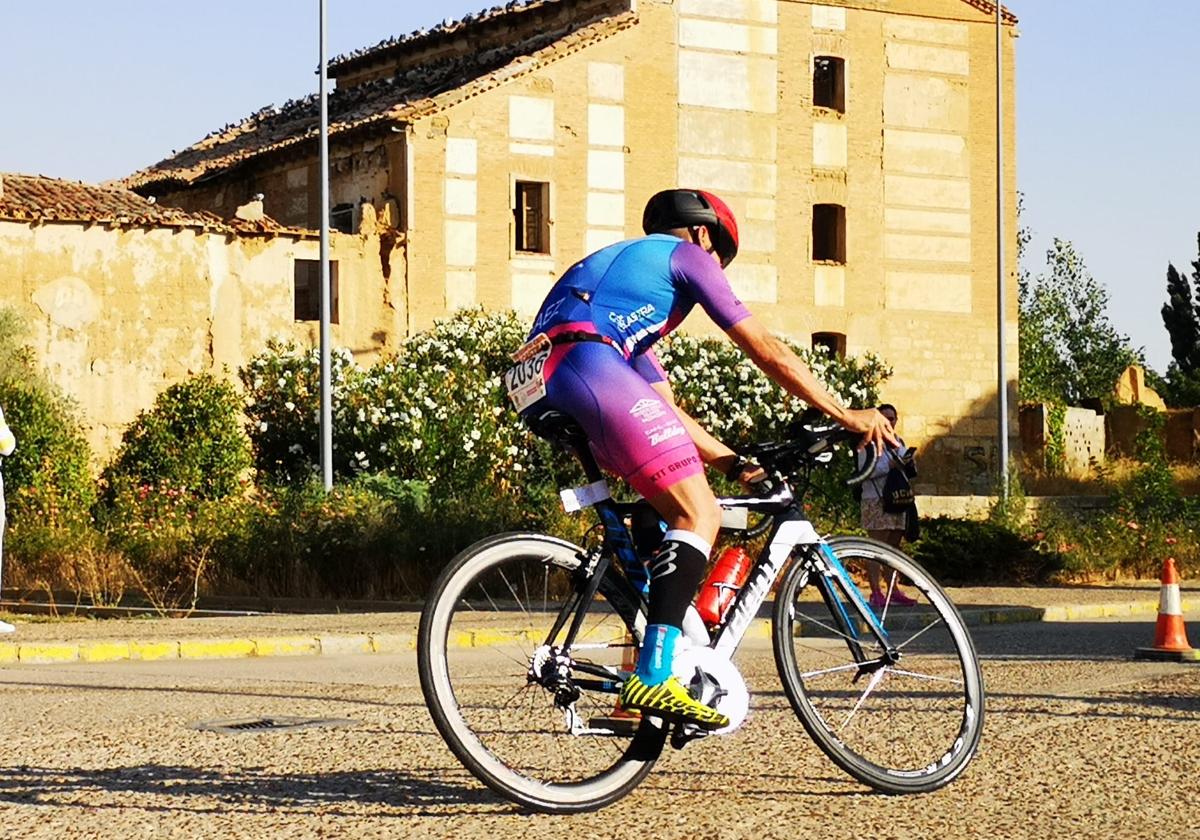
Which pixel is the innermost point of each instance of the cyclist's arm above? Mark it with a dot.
(711, 450)
(778, 361)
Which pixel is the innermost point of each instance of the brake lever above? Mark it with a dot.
(868, 466)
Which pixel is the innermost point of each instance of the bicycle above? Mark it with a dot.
(526, 638)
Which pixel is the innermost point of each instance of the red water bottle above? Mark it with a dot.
(724, 581)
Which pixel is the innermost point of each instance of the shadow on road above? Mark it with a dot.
(249, 790)
(222, 692)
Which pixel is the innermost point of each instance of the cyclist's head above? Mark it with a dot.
(671, 210)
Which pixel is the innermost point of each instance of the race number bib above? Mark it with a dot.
(525, 381)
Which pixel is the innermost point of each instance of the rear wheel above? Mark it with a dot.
(903, 716)
(531, 720)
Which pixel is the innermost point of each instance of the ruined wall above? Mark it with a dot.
(291, 189)
(117, 315)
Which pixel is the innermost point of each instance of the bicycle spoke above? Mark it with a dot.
(927, 677)
(876, 678)
(899, 726)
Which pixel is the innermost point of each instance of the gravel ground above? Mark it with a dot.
(1079, 742)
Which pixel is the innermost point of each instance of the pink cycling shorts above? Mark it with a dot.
(632, 430)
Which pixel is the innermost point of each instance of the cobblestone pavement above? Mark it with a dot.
(1079, 742)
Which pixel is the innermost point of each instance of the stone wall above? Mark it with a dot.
(1084, 437)
(118, 315)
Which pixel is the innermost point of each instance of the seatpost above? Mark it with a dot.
(590, 468)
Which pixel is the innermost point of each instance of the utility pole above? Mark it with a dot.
(1001, 342)
(326, 295)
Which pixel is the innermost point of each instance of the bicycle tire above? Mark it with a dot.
(490, 750)
(895, 742)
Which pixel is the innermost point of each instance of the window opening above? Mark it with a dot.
(341, 218)
(829, 83)
(829, 233)
(531, 211)
(307, 284)
(829, 344)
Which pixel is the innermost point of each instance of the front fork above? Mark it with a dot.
(845, 602)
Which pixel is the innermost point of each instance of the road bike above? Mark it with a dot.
(526, 639)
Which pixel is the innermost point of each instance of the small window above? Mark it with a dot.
(308, 290)
(531, 217)
(829, 83)
(829, 233)
(341, 218)
(830, 344)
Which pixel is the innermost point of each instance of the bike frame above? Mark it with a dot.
(790, 530)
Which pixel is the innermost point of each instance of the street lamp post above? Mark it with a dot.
(1001, 341)
(326, 389)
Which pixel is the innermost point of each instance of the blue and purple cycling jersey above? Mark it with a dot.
(630, 295)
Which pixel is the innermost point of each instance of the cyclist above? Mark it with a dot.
(589, 356)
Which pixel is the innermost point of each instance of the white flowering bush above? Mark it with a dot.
(283, 404)
(716, 383)
(433, 419)
(434, 413)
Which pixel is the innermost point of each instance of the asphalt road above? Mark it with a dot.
(1080, 742)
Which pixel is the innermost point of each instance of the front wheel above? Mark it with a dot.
(531, 719)
(901, 710)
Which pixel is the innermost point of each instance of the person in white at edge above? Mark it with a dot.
(8, 442)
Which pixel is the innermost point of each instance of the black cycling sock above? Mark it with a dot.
(646, 527)
(675, 573)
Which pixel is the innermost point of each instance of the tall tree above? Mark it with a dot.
(1070, 351)
(1181, 317)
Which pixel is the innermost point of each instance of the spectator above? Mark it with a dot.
(8, 443)
(880, 524)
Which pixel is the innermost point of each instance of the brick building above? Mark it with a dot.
(855, 139)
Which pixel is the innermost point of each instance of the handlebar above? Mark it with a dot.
(812, 440)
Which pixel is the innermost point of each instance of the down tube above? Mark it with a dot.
(789, 532)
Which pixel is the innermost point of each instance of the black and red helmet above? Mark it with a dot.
(673, 209)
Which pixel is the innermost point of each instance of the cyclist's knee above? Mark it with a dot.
(690, 506)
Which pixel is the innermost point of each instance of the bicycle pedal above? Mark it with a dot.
(684, 733)
(618, 723)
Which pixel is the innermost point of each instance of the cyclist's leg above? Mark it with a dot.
(636, 433)
(676, 568)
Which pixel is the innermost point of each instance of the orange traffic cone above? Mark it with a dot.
(1170, 635)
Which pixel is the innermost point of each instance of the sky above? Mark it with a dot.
(1107, 118)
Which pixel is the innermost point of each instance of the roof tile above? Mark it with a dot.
(35, 198)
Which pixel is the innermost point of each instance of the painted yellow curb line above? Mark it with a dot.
(55, 653)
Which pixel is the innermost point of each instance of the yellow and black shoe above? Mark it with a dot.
(669, 699)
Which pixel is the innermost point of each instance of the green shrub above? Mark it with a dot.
(191, 440)
(371, 537)
(957, 551)
(48, 476)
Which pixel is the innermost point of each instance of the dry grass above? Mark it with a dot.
(1099, 482)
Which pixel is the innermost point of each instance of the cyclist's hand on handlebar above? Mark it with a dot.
(875, 428)
(753, 476)
(744, 470)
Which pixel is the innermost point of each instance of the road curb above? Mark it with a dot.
(108, 650)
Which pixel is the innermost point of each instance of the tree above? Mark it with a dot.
(1181, 317)
(1069, 350)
